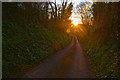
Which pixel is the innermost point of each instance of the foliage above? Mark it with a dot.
(24, 12)
(24, 47)
(106, 20)
(102, 40)
(85, 11)
(61, 19)
(29, 36)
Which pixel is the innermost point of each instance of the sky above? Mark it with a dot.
(74, 17)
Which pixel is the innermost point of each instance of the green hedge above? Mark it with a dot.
(105, 59)
(27, 45)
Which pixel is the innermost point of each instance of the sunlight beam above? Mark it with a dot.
(76, 21)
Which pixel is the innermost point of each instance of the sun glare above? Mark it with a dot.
(76, 21)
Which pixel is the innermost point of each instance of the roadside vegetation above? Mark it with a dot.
(30, 36)
(28, 46)
(102, 40)
(33, 31)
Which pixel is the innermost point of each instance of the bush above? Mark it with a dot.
(27, 45)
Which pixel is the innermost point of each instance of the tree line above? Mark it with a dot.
(50, 14)
(102, 39)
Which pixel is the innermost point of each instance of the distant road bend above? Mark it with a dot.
(71, 62)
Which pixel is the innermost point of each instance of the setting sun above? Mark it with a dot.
(76, 21)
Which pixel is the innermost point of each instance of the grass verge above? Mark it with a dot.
(105, 59)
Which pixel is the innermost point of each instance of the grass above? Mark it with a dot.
(105, 59)
(27, 45)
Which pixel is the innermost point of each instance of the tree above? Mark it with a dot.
(60, 14)
(84, 10)
(105, 18)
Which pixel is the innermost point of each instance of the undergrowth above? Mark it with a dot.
(27, 45)
(105, 59)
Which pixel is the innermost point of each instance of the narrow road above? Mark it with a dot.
(70, 62)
